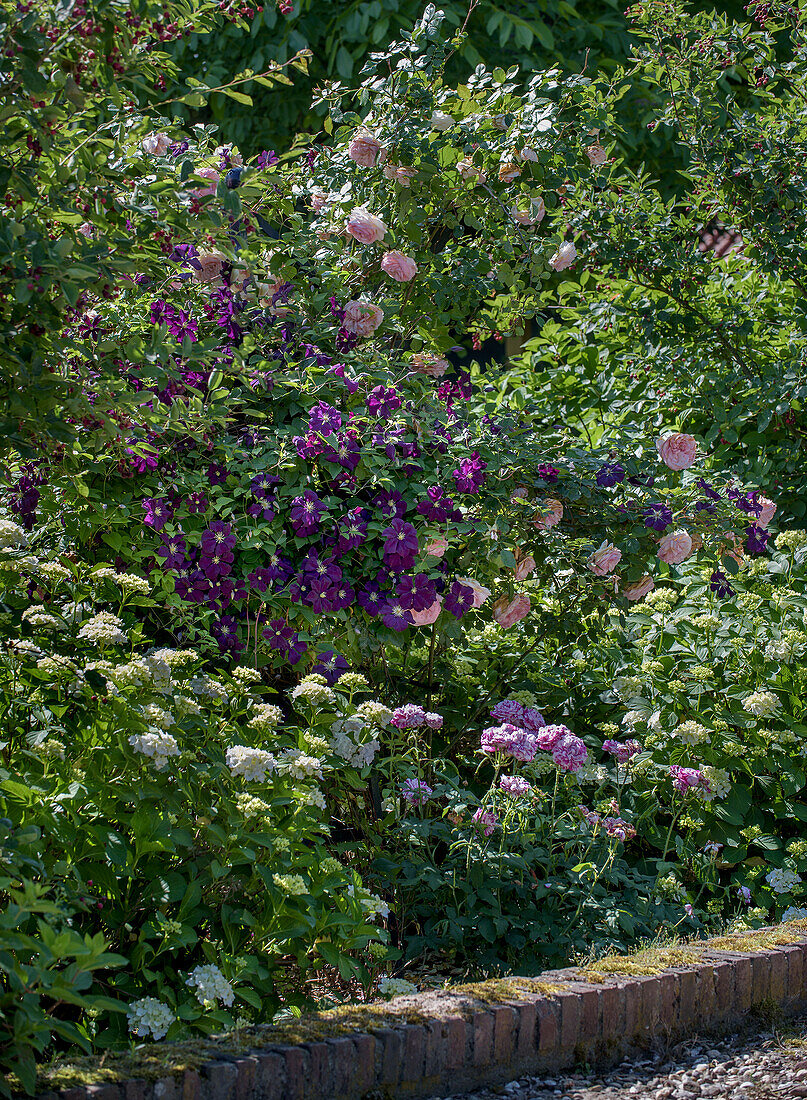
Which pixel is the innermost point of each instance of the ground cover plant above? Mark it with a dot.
(324, 644)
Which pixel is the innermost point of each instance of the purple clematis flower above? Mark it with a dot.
(306, 513)
(400, 545)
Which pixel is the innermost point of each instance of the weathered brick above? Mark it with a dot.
(298, 1072)
(705, 996)
(632, 1001)
(651, 1004)
(343, 1066)
(107, 1091)
(137, 1089)
(245, 1081)
(723, 971)
(456, 1042)
(760, 977)
(435, 1058)
(668, 1002)
(391, 1055)
(778, 990)
(504, 1034)
(191, 1085)
(218, 1080)
(548, 1026)
(527, 1042)
(483, 1038)
(613, 1012)
(589, 1013)
(794, 974)
(570, 1016)
(270, 1075)
(414, 1052)
(167, 1088)
(367, 1047)
(687, 998)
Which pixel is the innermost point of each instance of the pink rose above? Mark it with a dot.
(156, 144)
(639, 589)
(605, 559)
(437, 547)
(469, 172)
(596, 155)
(318, 201)
(427, 617)
(399, 267)
(86, 230)
(362, 318)
(209, 269)
(399, 174)
(509, 171)
(675, 547)
(508, 612)
(480, 592)
(529, 217)
(525, 563)
(677, 451)
(432, 365)
(767, 513)
(528, 153)
(365, 227)
(564, 257)
(364, 148)
(550, 514)
(208, 174)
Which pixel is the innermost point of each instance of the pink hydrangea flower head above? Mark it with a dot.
(686, 779)
(618, 829)
(675, 547)
(677, 451)
(569, 753)
(486, 820)
(515, 785)
(532, 719)
(622, 750)
(408, 717)
(433, 721)
(399, 267)
(416, 792)
(508, 710)
(549, 736)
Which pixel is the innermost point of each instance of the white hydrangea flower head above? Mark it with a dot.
(299, 766)
(246, 675)
(210, 985)
(691, 732)
(311, 796)
(156, 716)
(253, 764)
(157, 745)
(719, 781)
(778, 650)
(130, 582)
(395, 987)
(104, 629)
(374, 713)
(265, 717)
(761, 703)
(352, 681)
(150, 1017)
(40, 618)
(293, 886)
(250, 806)
(310, 691)
(12, 536)
(54, 571)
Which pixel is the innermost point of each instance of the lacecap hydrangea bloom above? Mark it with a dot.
(149, 1017)
(210, 985)
(792, 913)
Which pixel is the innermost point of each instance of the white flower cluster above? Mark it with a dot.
(156, 716)
(778, 650)
(299, 766)
(691, 732)
(252, 764)
(311, 796)
(250, 806)
(375, 714)
(41, 619)
(719, 781)
(782, 881)
(53, 571)
(313, 692)
(352, 681)
(761, 703)
(265, 717)
(210, 985)
(104, 629)
(628, 687)
(293, 886)
(670, 887)
(346, 742)
(160, 746)
(12, 536)
(395, 987)
(246, 675)
(205, 687)
(49, 749)
(144, 672)
(791, 540)
(631, 719)
(173, 657)
(372, 905)
(57, 666)
(150, 1017)
(793, 912)
(129, 582)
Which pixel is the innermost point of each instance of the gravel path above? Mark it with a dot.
(767, 1065)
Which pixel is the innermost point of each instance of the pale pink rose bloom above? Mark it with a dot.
(528, 153)
(605, 559)
(365, 227)
(519, 495)
(427, 617)
(677, 451)
(399, 174)
(362, 318)
(597, 155)
(210, 264)
(509, 171)
(432, 365)
(266, 294)
(437, 546)
(208, 174)
(531, 216)
(639, 589)
(399, 267)
(525, 564)
(564, 257)
(767, 513)
(318, 201)
(675, 547)
(469, 171)
(551, 513)
(156, 144)
(364, 148)
(480, 592)
(508, 612)
(87, 229)
(441, 121)
(238, 279)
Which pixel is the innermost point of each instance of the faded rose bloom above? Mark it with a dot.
(364, 148)
(399, 267)
(509, 171)
(767, 513)
(210, 264)
(480, 592)
(508, 612)
(596, 154)
(677, 451)
(639, 589)
(605, 559)
(400, 174)
(528, 153)
(441, 121)
(86, 229)
(432, 365)
(529, 217)
(319, 200)
(212, 176)
(156, 144)
(675, 547)
(525, 564)
(362, 318)
(469, 171)
(564, 257)
(365, 227)
(430, 615)
(437, 546)
(550, 514)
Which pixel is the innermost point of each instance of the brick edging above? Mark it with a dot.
(471, 1042)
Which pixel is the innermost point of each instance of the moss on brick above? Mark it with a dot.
(651, 960)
